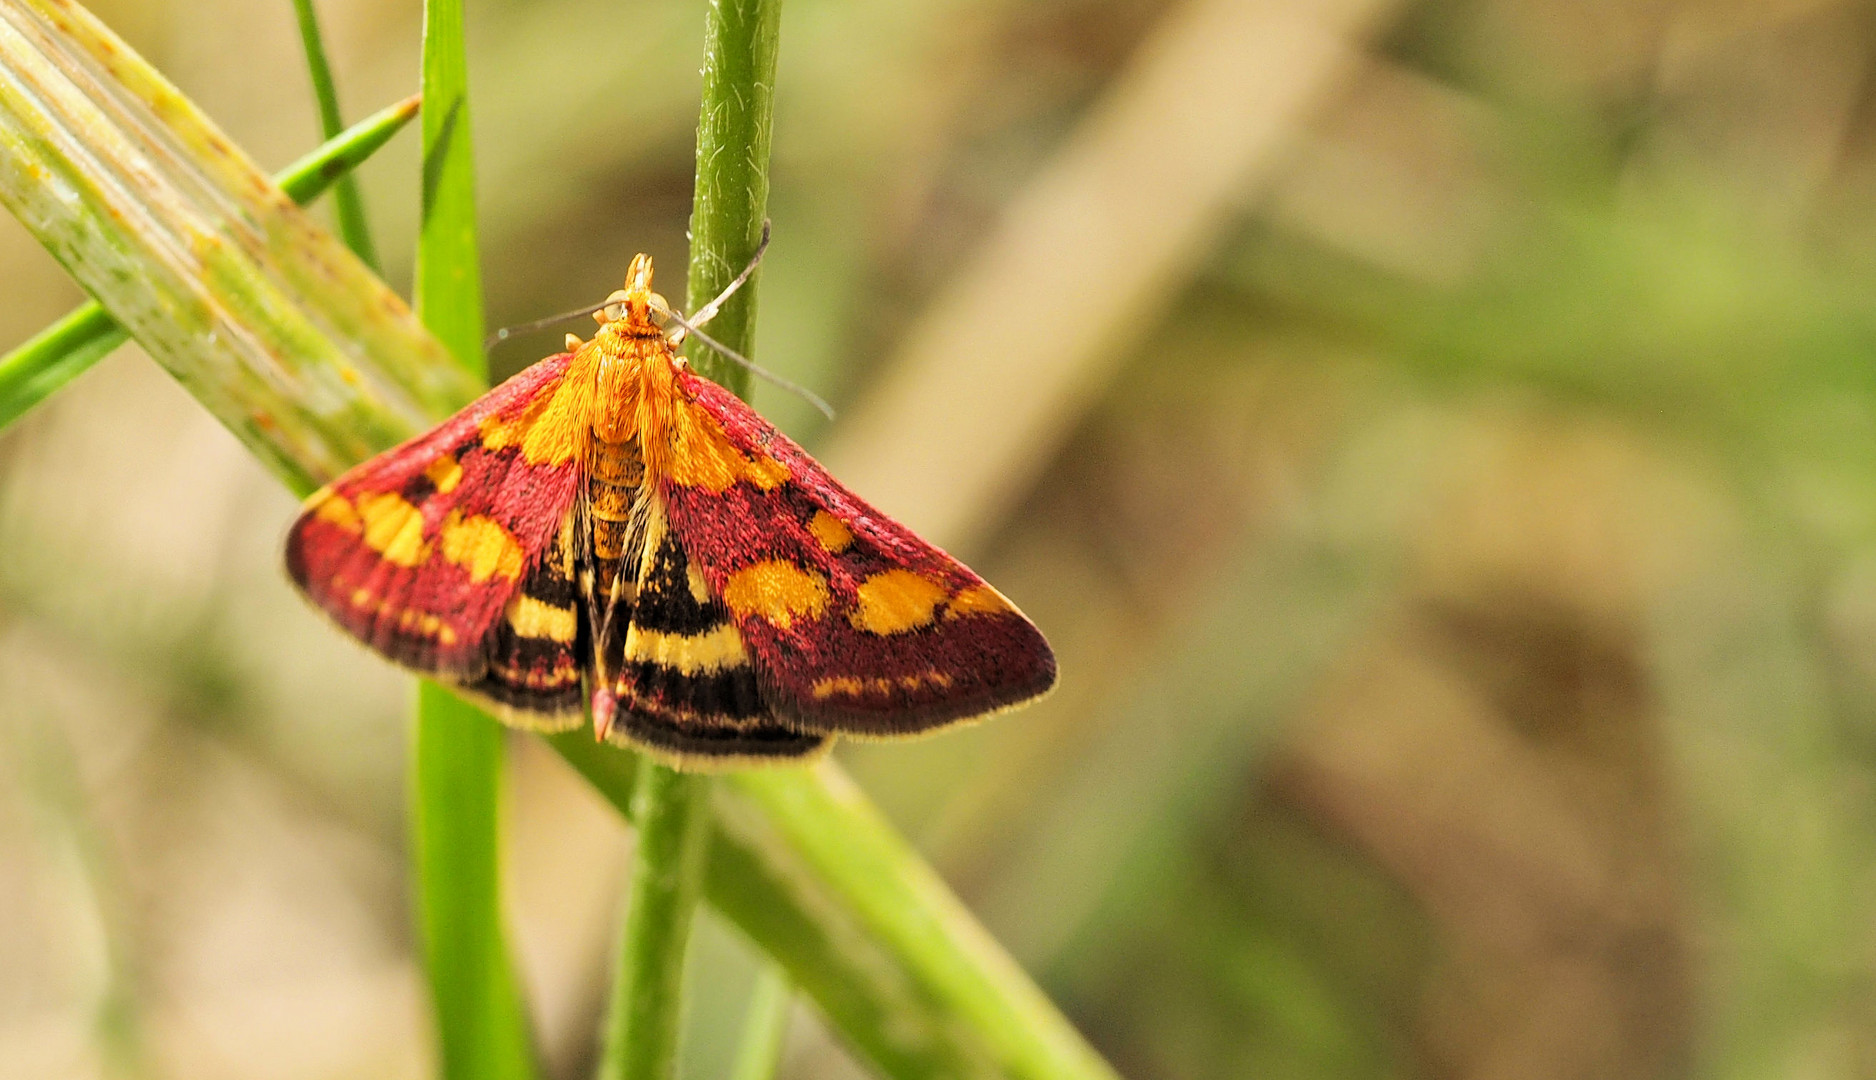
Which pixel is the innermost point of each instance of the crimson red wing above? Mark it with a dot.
(422, 550)
(854, 624)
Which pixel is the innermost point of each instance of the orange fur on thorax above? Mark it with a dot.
(622, 386)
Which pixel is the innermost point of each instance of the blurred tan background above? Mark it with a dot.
(1439, 438)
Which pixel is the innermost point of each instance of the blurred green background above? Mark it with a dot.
(1439, 439)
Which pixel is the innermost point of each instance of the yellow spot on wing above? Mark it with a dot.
(409, 620)
(563, 674)
(844, 685)
(337, 510)
(393, 528)
(777, 592)
(977, 600)
(482, 546)
(765, 472)
(832, 532)
(848, 686)
(895, 601)
(553, 428)
(699, 588)
(702, 455)
(445, 472)
(691, 654)
(534, 618)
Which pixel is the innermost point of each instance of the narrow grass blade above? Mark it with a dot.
(67, 348)
(55, 356)
(448, 283)
(766, 1029)
(671, 811)
(482, 1031)
(346, 198)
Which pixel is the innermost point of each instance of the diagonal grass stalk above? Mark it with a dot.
(284, 335)
(809, 869)
(69, 347)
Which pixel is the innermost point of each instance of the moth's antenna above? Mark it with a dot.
(507, 332)
(704, 314)
(709, 311)
(751, 366)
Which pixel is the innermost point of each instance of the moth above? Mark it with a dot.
(609, 530)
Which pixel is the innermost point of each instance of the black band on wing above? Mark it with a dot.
(535, 650)
(665, 601)
(683, 682)
(728, 699)
(764, 740)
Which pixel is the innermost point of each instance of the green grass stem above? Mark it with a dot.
(346, 198)
(482, 1030)
(732, 193)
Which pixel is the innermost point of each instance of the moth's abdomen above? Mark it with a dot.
(613, 477)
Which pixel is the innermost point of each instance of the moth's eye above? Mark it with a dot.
(615, 306)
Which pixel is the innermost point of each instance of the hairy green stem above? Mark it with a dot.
(672, 813)
(673, 810)
(732, 192)
(69, 347)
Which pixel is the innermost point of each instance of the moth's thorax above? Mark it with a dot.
(635, 393)
(634, 378)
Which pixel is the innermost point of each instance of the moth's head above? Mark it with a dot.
(630, 310)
